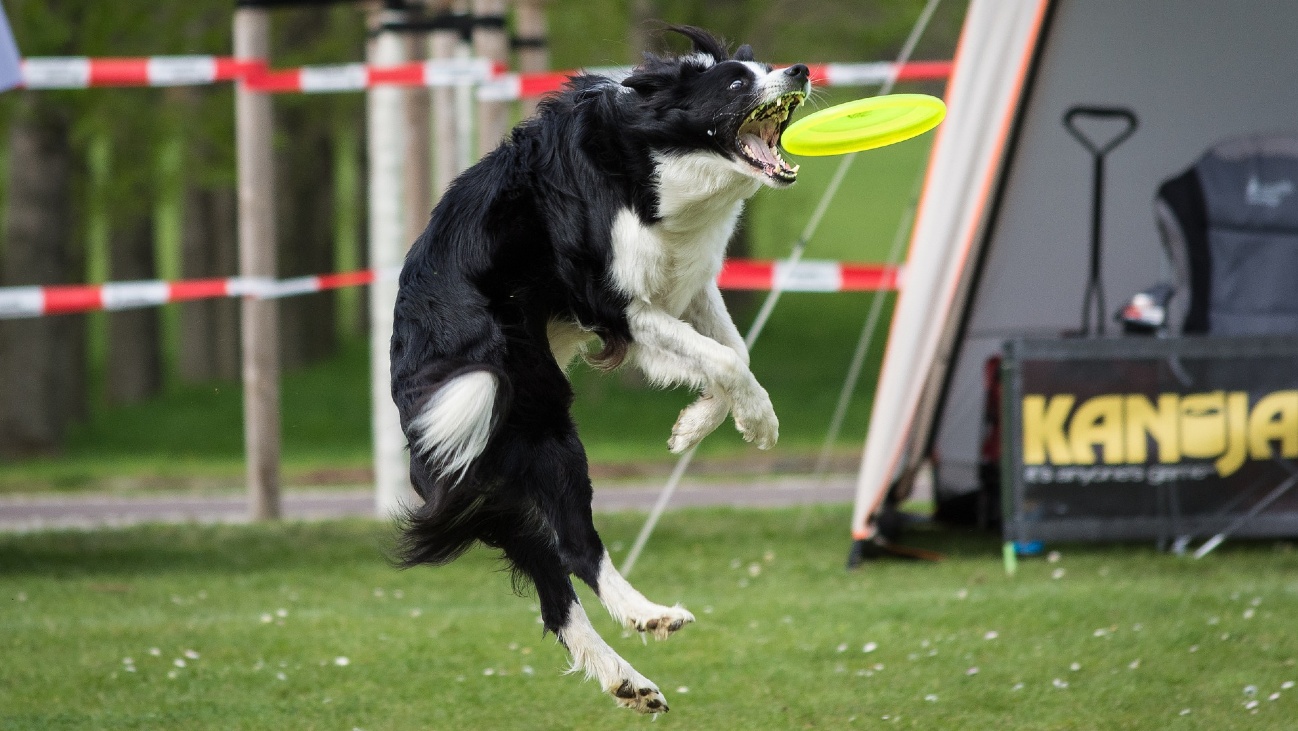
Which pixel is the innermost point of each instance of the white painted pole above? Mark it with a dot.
(385, 111)
(259, 317)
(491, 42)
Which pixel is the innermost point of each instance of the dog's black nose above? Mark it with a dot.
(798, 71)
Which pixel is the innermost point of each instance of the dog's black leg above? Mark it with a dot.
(535, 557)
(566, 506)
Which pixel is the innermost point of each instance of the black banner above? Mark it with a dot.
(1150, 438)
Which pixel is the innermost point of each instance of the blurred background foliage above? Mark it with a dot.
(113, 184)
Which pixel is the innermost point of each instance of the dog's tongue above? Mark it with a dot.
(761, 149)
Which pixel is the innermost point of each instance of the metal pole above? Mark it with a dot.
(490, 42)
(260, 325)
(385, 111)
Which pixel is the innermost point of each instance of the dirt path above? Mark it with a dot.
(48, 512)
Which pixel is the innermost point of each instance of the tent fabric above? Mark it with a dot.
(990, 66)
(1002, 243)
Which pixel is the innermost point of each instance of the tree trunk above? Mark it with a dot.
(134, 361)
(42, 361)
(209, 337)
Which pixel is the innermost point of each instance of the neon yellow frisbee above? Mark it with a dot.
(863, 124)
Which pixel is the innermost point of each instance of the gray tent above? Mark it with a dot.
(1001, 246)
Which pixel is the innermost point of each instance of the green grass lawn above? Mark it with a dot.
(1103, 638)
(192, 435)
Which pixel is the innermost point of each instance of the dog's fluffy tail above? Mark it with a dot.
(453, 429)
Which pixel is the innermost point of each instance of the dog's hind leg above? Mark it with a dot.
(566, 506)
(535, 557)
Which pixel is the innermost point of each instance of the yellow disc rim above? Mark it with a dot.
(863, 124)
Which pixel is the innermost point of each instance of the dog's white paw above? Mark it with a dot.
(755, 418)
(659, 621)
(696, 421)
(639, 694)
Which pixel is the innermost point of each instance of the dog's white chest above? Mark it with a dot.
(668, 263)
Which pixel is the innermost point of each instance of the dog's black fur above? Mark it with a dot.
(518, 241)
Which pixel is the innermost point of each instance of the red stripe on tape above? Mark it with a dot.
(119, 72)
(229, 69)
(541, 83)
(924, 70)
(260, 79)
(406, 74)
(197, 289)
(746, 274)
(819, 73)
(72, 298)
(345, 279)
(869, 278)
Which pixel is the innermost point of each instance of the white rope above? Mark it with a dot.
(768, 305)
(866, 338)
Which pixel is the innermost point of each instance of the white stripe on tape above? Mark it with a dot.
(56, 72)
(125, 295)
(290, 287)
(21, 302)
(338, 77)
(808, 276)
(616, 73)
(453, 71)
(181, 70)
(249, 286)
(503, 88)
(859, 74)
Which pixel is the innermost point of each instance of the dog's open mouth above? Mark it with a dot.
(759, 136)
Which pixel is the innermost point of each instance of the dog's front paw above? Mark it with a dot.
(697, 421)
(640, 695)
(755, 418)
(660, 621)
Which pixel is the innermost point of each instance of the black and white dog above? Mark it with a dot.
(605, 216)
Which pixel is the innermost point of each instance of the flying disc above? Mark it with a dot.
(863, 124)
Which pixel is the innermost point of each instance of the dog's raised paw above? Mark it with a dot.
(696, 421)
(662, 622)
(641, 697)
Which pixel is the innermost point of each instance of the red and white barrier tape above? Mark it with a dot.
(24, 302)
(79, 72)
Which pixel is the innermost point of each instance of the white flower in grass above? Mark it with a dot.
(281, 676)
(281, 613)
(527, 670)
(870, 647)
(128, 661)
(991, 634)
(1054, 556)
(1134, 664)
(179, 662)
(1272, 697)
(416, 612)
(841, 648)
(489, 672)
(341, 661)
(172, 674)
(266, 618)
(1250, 690)
(972, 671)
(931, 698)
(683, 689)
(1286, 685)
(1251, 705)
(1185, 711)
(1017, 686)
(1059, 683)
(962, 594)
(1248, 613)
(1057, 574)
(1075, 666)
(191, 654)
(155, 652)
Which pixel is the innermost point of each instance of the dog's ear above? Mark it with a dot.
(704, 42)
(649, 77)
(745, 53)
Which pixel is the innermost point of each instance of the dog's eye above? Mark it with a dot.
(736, 84)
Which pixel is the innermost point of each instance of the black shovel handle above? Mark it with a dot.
(1121, 113)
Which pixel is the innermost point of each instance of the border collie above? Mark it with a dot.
(606, 216)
